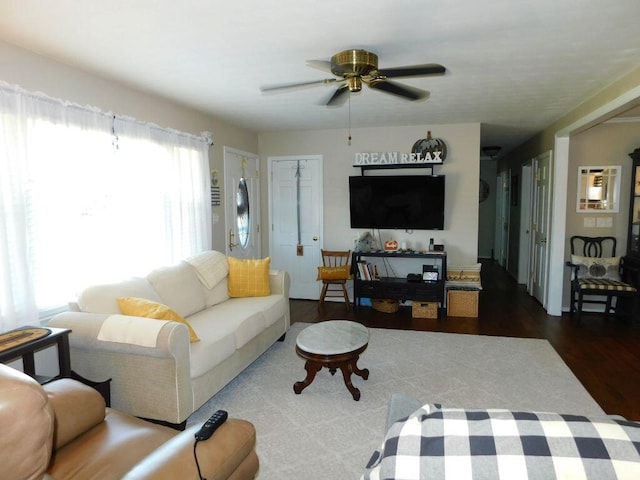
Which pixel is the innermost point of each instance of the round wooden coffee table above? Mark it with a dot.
(332, 344)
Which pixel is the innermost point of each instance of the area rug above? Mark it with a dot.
(324, 434)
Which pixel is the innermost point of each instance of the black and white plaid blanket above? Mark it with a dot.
(459, 444)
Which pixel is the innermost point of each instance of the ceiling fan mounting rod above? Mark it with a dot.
(355, 84)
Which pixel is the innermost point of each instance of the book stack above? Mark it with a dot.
(367, 271)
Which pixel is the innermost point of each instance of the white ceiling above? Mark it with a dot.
(514, 66)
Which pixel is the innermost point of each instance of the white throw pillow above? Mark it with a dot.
(104, 298)
(179, 288)
(605, 268)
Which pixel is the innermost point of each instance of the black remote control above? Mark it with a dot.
(211, 425)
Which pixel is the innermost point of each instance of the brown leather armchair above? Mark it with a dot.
(63, 430)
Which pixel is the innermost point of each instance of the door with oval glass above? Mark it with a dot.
(242, 203)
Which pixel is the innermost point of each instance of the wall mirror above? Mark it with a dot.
(598, 189)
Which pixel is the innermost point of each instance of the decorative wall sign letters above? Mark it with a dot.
(426, 151)
(396, 158)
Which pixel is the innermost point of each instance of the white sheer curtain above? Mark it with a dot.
(87, 197)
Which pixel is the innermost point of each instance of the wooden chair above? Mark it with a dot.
(335, 272)
(596, 271)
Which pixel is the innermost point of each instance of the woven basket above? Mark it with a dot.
(424, 309)
(385, 306)
(462, 303)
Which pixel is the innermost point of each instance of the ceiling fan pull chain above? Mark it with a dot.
(349, 142)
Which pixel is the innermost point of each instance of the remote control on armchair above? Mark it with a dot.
(211, 425)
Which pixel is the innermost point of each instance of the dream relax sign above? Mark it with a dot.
(397, 158)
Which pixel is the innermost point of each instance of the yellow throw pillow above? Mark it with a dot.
(333, 273)
(249, 278)
(140, 307)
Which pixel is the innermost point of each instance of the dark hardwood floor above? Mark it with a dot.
(603, 354)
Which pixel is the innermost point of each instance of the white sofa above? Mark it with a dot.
(156, 372)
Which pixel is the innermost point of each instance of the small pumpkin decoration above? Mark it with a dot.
(390, 245)
(429, 148)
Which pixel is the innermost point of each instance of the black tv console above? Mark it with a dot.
(400, 288)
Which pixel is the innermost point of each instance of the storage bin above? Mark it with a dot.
(385, 306)
(462, 303)
(424, 309)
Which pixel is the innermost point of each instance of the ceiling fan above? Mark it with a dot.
(355, 67)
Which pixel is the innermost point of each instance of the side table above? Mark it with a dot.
(24, 342)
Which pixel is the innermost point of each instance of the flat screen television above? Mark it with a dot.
(409, 202)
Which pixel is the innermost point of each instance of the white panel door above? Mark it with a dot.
(540, 227)
(524, 253)
(296, 221)
(242, 203)
(502, 218)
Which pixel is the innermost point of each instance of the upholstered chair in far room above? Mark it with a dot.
(62, 430)
(598, 277)
(334, 273)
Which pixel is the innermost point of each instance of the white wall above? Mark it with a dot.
(39, 74)
(461, 167)
(605, 144)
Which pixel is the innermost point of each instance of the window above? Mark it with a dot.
(88, 197)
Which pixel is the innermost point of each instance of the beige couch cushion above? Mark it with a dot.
(104, 298)
(178, 287)
(217, 294)
(244, 318)
(230, 326)
(217, 343)
(272, 307)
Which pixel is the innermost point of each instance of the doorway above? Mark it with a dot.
(295, 210)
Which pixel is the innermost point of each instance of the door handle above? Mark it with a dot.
(231, 237)
(315, 238)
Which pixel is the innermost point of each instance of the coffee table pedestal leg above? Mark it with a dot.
(347, 368)
(312, 368)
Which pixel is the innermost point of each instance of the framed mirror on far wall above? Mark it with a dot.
(598, 189)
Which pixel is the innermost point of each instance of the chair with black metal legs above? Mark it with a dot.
(597, 277)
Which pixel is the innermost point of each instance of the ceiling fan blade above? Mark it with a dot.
(323, 65)
(339, 96)
(287, 86)
(404, 91)
(413, 71)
